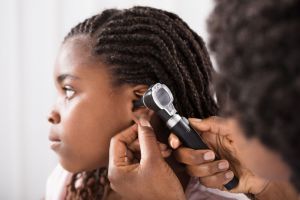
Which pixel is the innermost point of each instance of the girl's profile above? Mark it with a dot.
(104, 64)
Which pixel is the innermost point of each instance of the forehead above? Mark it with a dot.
(74, 52)
(75, 59)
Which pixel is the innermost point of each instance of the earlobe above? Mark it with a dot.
(138, 112)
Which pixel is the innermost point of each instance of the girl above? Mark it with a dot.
(104, 64)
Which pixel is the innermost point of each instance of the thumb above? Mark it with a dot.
(174, 141)
(214, 124)
(148, 143)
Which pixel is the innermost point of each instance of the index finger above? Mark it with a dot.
(194, 157)
(118, 146)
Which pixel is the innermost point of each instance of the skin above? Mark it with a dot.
(90, 111)
(250, 152)
(151, 176)
(123, 170)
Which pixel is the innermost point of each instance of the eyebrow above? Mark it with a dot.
(63, 77)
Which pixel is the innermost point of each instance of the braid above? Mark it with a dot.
(144, 45)
(94, 185)
(92, 24)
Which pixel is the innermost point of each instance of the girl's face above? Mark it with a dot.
(88, 110)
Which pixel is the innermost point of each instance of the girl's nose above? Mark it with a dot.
(54, 117)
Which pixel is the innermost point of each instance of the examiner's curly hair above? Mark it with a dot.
(257, 48)
(144, 45)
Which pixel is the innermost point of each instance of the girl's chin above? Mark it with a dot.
(72, 168)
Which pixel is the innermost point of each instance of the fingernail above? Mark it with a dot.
(195, 119)
(223, 165)
(229, 175)
(144, 122)
(174, 143)
(209, 155)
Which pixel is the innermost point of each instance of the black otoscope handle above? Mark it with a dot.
(190, 138)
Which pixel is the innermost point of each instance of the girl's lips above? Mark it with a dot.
(54, 141)
(54, 145)
(54, 137)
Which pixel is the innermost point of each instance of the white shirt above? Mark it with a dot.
(59, 178)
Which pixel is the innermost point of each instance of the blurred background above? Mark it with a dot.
(31, 32)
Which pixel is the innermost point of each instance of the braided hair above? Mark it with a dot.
(257, 49)
(143, 45)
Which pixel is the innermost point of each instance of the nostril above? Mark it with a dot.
(51, 120)
(54, 118)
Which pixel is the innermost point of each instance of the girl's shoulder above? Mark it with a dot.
(56, 183)
(196, 191)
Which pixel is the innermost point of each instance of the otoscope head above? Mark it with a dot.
(157, 97)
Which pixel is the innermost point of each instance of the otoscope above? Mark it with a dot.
(160, 99)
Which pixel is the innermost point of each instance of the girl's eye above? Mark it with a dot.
(69, 91)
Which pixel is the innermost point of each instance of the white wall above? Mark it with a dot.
(31, 31)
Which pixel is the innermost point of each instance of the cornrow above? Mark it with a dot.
(144, 45)
(183, 72)
(94, 185)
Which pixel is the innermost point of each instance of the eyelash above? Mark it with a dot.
(67, 89)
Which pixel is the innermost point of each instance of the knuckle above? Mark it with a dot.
(199, 171)
(148, 132)
(147, 129)
(221, 179)
(191, 171)
(200, 156)
(192, 158)
(205, 170)
(211, 169)
(210, 182)
(205, 181)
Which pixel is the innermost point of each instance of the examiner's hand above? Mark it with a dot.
(147, 178)
(214, 174)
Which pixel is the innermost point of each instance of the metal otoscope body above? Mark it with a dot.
(160, 99)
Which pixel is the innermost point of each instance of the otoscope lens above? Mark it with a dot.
(163, 97)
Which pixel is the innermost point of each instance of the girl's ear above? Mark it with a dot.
(139, 91)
